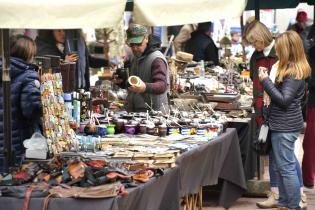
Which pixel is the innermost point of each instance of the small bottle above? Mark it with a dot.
(68, 105)
(202, 69)
(83, 105)
(76, 107)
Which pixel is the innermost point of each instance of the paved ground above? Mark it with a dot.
(250, 203)
(246, 203)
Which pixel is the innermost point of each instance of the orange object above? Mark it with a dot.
(245, 73)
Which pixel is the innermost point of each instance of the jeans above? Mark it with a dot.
(273, 175)
(285, 168)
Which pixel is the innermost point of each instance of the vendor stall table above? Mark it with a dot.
(161, 193)
(220, 158)
(203, 165)
(246, 134)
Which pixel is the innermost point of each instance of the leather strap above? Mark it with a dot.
(46, 201)
(28, 194)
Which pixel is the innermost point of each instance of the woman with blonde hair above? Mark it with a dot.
(258, 35)
(286, 120)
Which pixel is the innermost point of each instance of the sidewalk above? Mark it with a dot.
(250, 203)
(246, 203)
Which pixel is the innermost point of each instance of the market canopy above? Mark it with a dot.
(272, 4)
(278, 4)
(170, 12)
(49, 14)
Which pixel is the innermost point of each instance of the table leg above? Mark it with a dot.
(200, 198)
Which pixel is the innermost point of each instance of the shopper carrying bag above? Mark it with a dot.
(286, 120)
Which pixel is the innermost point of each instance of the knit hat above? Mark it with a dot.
(301, 17)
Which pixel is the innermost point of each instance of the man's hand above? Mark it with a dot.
(138, 88)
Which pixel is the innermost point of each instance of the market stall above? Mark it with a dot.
(71, 14)
(166, 13)
(78, 139)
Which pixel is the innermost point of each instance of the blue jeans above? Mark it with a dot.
(285, 168)
(273, 175)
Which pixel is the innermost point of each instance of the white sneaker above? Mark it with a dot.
(271, 202)
(303, 203)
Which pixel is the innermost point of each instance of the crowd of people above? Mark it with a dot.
(282, 71)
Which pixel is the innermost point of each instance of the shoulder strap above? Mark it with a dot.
(28, 194)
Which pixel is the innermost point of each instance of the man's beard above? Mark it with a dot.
(137, 55)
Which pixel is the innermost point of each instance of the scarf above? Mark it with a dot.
(75, 42)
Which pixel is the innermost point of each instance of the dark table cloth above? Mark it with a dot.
(204, 165)
(159, 193)
(246, 134)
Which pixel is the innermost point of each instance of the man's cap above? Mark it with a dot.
(136, 34)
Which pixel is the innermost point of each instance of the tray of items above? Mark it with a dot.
(221, 97)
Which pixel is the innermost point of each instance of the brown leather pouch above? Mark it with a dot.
(101, 191)
(76, 169)
(141, 177)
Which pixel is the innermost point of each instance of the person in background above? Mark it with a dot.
(301, 28)
(201, 44)
(26, 106)
(286, 120)
(150, 65)
(70, 46)
(236, 48)
(258, 35)
(308, 163)
(52, 42)
(184, 35)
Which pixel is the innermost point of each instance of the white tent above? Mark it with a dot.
(68, 14)
(177, 12)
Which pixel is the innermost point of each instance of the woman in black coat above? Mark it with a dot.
(26, 106)
(286, 120)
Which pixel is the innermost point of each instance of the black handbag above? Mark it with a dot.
(262, 143)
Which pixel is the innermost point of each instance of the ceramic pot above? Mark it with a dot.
(143, 129)
(110, 129)
(162, 131)
(151, 130)
(102, 130)
(90, 129)
(130, 129)
(120, 128)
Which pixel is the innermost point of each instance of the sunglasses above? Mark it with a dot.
(135, 44)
